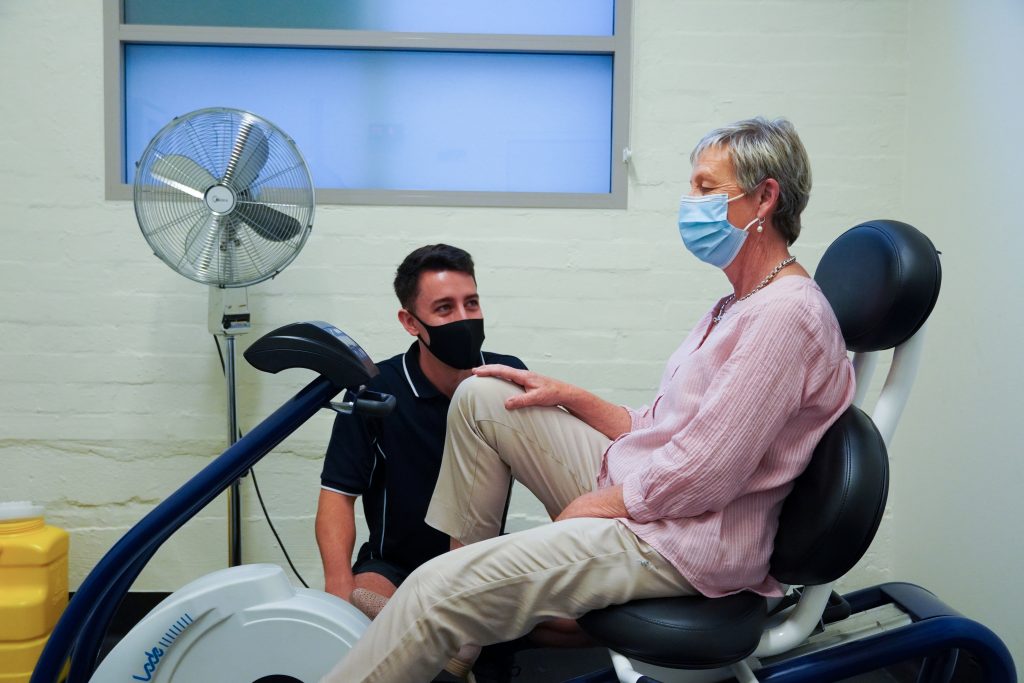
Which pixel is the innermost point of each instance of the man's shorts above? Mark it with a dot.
(365, 562)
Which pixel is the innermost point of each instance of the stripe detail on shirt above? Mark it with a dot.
(344, 493)
(384, 508)
(405, 368)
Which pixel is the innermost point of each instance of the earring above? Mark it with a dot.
(760, 224)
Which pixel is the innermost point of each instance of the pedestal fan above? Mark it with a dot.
(224, 198)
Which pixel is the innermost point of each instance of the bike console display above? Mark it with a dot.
(317, 346)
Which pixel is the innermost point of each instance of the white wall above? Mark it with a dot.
(110, 390)
(958, 471)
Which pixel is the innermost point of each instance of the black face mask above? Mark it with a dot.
(456, 344)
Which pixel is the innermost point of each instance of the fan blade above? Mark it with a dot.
(250, 152)
(268, 223)
(183, 174)
(200, 247)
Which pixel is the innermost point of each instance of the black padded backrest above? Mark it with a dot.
(836, 505)
(882, 278)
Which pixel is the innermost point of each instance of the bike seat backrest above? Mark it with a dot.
(830, 517)
(882, 279)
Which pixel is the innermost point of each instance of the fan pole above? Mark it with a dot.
(234, 492)
(229, 317)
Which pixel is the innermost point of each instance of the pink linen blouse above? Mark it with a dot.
(706, 466)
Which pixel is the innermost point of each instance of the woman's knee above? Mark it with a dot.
(432, 580)
(476, 395)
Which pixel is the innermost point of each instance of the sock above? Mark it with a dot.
(462, 663)
(368, 602)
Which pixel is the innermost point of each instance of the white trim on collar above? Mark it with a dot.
(408, 378)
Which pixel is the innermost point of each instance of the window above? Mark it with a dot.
(448, 102)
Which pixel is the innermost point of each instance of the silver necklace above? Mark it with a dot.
(732, 297)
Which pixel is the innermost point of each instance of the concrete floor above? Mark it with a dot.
(559, 666)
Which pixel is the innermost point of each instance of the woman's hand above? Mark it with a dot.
(607, 418)
(538, 389)
(603, 503)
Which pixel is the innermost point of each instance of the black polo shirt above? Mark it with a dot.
(393, 462)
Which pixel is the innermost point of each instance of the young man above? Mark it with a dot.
(393, 462)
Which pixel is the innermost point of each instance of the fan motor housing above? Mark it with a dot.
(220, 199)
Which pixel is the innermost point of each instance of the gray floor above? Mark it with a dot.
(558, 666)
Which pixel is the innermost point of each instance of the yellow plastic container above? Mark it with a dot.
(33, 586)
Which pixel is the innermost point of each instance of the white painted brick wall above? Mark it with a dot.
(110, 390)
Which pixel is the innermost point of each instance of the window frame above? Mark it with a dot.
(117, 34)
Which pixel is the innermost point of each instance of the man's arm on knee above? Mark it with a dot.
(336, 535)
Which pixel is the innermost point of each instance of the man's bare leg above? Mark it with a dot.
(371, 593)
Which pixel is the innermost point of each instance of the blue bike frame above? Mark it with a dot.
(79, 633)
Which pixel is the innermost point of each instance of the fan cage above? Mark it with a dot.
(264, 175)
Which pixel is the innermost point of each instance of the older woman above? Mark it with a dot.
(677, 497)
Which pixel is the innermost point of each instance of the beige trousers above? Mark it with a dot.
(497, 589)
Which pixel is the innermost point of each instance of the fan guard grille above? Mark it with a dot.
(224, 197)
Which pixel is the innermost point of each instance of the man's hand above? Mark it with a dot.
(539, 390)
(603, 503)
(342, 586)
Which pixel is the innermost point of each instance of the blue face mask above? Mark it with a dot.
(706, 230)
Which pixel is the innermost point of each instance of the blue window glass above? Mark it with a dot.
(395, 120)
(535, 17)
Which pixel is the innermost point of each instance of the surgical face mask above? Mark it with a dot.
(456, 344)
(706, 230)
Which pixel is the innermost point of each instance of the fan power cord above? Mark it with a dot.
(280, 543)
(256, 485)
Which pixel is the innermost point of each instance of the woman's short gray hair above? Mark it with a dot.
(761, 149)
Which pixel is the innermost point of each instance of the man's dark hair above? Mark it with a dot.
(431, 258)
